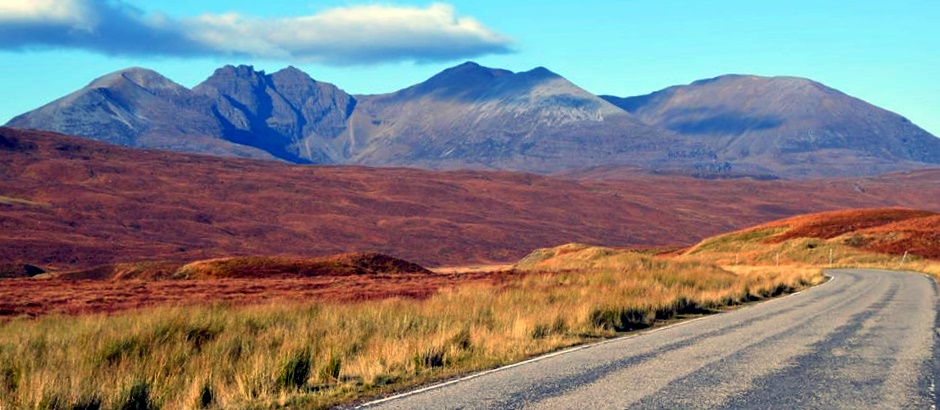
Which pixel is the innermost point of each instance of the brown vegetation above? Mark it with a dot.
(313, 353)
(232, 281)
(70, 203)
(828, 225)
(280, 333)
(893, 231)
(883, 238)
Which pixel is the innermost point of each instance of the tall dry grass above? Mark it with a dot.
(310, 355)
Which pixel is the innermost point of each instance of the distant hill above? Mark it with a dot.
(69, 202)
(253, 267)
(474, 117)
(787, 126)
(847, 237)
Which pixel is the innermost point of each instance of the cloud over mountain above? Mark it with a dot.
(340, 36)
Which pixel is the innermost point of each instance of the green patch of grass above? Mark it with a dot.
(733, 241)
(7, 200)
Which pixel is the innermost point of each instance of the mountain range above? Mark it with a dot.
(474, 117)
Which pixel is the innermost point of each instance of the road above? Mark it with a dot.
(864, 340)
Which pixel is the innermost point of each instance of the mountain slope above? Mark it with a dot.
(791, 126)
(471, 116)
(287, 114)
(834, 237)
(139, 108)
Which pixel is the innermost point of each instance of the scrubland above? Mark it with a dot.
(309, 354)
(314, 353)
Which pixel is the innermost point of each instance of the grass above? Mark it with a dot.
(750, 250)
(7, 200)
(308, 355)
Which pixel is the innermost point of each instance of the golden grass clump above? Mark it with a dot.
(316, 355)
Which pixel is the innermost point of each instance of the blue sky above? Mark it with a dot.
(887, 53)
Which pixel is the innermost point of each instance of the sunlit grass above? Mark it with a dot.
(317, 355)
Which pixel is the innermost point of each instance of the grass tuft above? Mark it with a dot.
(330, 372)
(87, 403)
(296, 370)
(137, 397)
(206, 398)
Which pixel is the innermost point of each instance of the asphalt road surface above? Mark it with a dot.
(864, 340)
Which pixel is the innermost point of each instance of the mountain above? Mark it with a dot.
(474, 117)
(137, 107)
(471, 116)
(786, 125)
(236, 112)
(287, 114)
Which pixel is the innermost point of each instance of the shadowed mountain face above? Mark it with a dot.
(287, 113)
(236, 112)
(790, 126)
(138, 108)
(471, 116)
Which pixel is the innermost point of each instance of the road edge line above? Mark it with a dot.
(572, 350)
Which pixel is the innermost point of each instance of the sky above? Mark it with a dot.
(886, 53)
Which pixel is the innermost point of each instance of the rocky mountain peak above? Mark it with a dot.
(240, 71)
(539, 73)
(462, 80)
(146, 79)
(292, 73)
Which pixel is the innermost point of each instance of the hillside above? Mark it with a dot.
(773, 124)
(253, 267)
(67, 202)
(892, 231)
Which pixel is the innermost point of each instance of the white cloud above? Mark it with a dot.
(349, 35)
(62, 11)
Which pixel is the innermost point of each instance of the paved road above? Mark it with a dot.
(864, 340)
